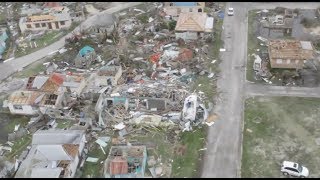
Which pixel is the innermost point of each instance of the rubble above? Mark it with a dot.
(143, 85)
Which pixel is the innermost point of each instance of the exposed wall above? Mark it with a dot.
(43, 25)
(26, 110)
(187, 35)
(174, 11)
(286, 63)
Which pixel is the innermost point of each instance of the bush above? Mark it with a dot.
(143, 18)
(306, 22)
(279, 10)
(172, 25)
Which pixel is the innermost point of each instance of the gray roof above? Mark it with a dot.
(46, 172)
(102, 20)
(39, 81)
(55, 136)
(160, 104)
(53, 152)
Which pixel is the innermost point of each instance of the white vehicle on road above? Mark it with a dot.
(230, 11)
(294, 169)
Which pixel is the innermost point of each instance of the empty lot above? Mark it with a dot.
(277, 129)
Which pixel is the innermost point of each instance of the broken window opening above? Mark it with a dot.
(199, 10)
(17, 107)
(51, 99)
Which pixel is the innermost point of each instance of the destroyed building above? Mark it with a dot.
(103, 24)
(58, 18)
(103, 78)
(41, 93)
(279, 22)
(289, 54)
(53, 154)
(192, 26)
(174, 9)
(126, 162)
(85, 57)
(75, 83)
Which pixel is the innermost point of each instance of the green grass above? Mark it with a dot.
(253, 44)
(15, 120)
(95, 170)
(31, 70)
(45, 40)
(283, 128)
(19, 146)
(208, 85)
(63, 124)
(164, 147)
(189, 163)
(48, 38)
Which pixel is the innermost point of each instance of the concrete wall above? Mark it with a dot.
(23, 25)
(117, 76)
(286, 64)
(26, 110)
(174, 11)
(73, 167)
(187, 35)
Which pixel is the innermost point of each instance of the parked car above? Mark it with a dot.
(230, 11)
(294, 169)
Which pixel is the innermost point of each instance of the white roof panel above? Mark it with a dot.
(209, 23)
(306, 45)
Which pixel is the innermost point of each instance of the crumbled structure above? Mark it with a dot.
(85, 57)
(41, 93)
(289, 54)
(280, 22)
(126, 162)
(174, 9)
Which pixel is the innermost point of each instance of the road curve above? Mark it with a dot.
(12, 66)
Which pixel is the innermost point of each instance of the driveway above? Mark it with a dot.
(9, 67)
(224, 141)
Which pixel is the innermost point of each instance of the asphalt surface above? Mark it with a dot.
(9, 67)
(224, 141)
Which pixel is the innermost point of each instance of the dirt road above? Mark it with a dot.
(12, 66)
(224, 141)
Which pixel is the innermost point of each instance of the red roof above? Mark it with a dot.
(52, 4)
(118, 166)
(57, 78)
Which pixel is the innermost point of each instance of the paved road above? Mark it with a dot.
(269, 90)
(12, 66)
(224, 141)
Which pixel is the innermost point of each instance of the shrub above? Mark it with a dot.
(279, 10)
(172, 25)
(143, 18)
(306, 22)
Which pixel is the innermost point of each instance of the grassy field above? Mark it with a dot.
(31, 70)
(95, 170)
(183, 165)
(45, 40)
(253, 44)
(188, 165)
(208, 85)
(278, 129)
